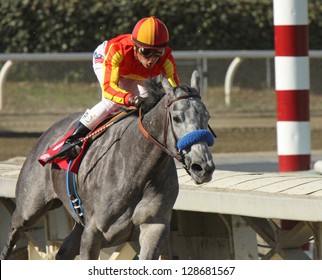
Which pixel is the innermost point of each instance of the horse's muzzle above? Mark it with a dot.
(200, 168)
(202, 173)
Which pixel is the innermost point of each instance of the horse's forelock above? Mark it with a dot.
(156, 92)
(186, 90)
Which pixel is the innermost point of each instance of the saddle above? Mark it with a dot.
(55, 154)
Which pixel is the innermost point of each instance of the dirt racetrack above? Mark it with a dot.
(236, 133)
(247, 125)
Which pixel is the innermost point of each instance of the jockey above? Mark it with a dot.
(121, 65)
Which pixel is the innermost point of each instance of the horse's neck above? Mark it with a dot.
(154, 121)
(157, 126)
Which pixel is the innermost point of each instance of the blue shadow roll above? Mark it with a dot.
(196, 136)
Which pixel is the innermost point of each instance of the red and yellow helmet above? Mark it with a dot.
(150, 33)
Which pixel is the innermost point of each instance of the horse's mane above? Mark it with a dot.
(155, 94)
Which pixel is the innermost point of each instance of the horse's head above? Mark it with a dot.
(188, 128)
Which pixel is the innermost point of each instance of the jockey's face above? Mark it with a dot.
(149, 57)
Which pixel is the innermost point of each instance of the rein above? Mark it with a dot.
(154, 141)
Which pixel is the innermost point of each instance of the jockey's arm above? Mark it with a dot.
(111, 72)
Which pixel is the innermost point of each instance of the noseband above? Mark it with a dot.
(205, 134)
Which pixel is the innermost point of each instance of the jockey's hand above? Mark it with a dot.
(134, 101)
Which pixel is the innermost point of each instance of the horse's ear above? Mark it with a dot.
(167, 86)
(195, 80)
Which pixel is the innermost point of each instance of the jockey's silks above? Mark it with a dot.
(121, 62)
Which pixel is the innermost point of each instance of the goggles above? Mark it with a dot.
(147, 53)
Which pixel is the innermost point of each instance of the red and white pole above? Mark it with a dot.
(292, 83)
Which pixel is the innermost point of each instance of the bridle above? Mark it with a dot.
(179, 155)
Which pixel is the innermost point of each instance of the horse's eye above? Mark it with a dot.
(177, 119)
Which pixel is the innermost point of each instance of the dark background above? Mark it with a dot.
(30, 26)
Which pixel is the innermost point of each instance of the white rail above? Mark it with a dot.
(201, 56)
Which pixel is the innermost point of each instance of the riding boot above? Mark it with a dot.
(87, 123)
(80, 131)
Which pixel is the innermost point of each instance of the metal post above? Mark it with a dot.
(204, 76)
(230, 78)
(3, 74)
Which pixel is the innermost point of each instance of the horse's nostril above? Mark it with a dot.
(196, 167)
(210, 168)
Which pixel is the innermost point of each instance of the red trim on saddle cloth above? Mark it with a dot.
(63, 163)
(53, 150)
(77, 161)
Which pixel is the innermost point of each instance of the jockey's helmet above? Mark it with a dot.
(150, 33)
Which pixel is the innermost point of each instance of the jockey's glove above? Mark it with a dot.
(133, 101)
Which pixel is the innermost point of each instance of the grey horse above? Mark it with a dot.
(128, 183)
